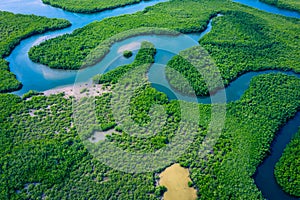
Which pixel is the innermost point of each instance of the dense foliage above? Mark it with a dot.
(8, 81)
(89, 6)
(14, 28)
(287, 170)
(42, 156)
(257, 42)
(286, 4)
(197, 67)
(45, 151)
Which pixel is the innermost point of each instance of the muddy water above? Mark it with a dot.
(175, 178)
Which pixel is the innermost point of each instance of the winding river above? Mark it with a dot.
(39, 77)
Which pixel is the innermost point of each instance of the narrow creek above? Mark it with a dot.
(264, 176)
(39, 77)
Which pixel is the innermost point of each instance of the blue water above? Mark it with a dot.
(38, 77)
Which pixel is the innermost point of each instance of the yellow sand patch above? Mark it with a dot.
(175, 178)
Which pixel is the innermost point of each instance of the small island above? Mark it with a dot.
(127, 54)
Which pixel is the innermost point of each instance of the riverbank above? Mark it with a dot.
(79, 90)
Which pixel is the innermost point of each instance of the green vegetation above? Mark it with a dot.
(160, 190)
(198, 59)
(8, 81)
(43, 156)
(89, 6)
(286, 4)
(14, 28)
(257, 42)
(30, 94)
(140, 106)
(287, 170)
(127, 54)
(84, 90)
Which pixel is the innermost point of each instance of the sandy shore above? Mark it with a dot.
(79, 90)
(130, 47)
